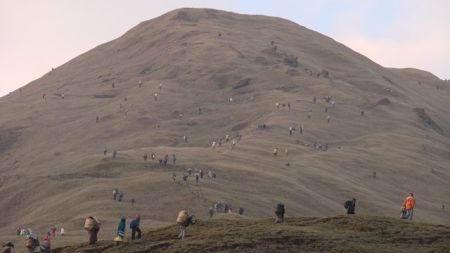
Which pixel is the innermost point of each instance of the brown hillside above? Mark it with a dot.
(53, 171)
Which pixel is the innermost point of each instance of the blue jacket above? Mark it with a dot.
(121, 227)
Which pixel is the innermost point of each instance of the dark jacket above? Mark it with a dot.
(135, 223)
(280, 209)
(350, 205)
(93, 234)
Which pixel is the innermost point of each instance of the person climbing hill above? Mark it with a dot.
(115, 193)
(8, 247)
(46, 245)
(184, 220)
(166, 159)
(92, 226)
(121, 230)
(53, 230)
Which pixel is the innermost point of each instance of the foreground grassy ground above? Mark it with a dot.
(336, 234)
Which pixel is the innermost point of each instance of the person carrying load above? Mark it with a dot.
(92, 226)
(184, 220)
(32, 243)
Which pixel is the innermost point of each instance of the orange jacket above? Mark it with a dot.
(409, 202)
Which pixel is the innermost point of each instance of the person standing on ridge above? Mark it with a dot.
(279, 213)
(350, 206)
(135, 227)
(408, 207)
(174, 176)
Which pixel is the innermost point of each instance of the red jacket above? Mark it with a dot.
(46, 240)
(409, 203)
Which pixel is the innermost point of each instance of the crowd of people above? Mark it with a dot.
(184, 219)
(32, 242)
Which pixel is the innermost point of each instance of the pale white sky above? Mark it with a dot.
(36, 35)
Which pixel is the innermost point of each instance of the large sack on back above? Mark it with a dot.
(89, 223)
(29, 243)
(280, 209)
(182, 216)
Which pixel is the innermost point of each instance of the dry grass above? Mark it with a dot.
(52, 168)
(335, 234)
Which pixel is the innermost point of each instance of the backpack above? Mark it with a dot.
(191, 220)
(280, 209)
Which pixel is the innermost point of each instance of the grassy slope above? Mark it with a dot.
(53, 171)
(336, 234)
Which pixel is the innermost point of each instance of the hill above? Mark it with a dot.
(335, 234)
(53, 170)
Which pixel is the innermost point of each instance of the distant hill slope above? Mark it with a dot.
(336, 234)
(53, 171)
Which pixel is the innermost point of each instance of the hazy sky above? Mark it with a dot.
(36, 35)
